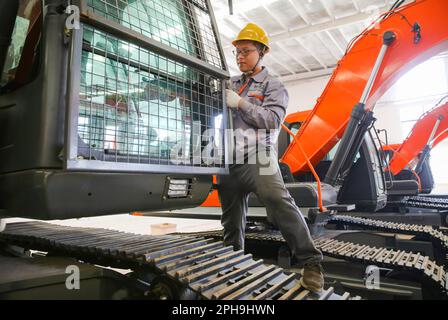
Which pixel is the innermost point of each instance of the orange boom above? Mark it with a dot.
(326, 124)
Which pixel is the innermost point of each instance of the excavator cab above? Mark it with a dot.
(361, 184)
(364, 184)
(426, 177)
(109, 107)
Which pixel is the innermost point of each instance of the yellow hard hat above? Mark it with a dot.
(254, 33)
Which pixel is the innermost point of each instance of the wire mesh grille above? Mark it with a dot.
(182, 24)
(201, 3)
(137, 106)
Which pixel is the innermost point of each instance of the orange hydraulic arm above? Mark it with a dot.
(325, 125)
(310, 166)
(429, 130)
(391, 147)
(299, 116)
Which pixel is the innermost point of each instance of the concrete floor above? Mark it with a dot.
(135, 224)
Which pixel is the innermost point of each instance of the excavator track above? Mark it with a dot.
(203, 265)
(426, 202)
(429, 233)
(382, 257)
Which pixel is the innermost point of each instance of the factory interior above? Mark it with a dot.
(120, 121)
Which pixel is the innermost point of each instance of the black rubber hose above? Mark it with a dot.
(396, 5)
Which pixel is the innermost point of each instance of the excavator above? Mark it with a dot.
(405, 44)
(430, 130)
(410, 159)
(103, 107)
(413, 154)
(107, 107)
(406, 161)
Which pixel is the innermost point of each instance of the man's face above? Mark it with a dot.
(247, 55)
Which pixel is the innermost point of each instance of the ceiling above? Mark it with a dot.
(307, 37)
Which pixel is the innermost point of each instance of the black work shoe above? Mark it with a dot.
(313, 278)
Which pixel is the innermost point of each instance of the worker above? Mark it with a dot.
(258, 101)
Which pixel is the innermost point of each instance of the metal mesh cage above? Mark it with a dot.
(182, 24)
(137, 106)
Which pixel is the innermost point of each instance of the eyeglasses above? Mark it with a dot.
(244, 52)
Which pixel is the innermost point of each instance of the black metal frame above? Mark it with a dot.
(116, 29)
(71, 135)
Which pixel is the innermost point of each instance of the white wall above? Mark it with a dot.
(389, 118)
(303, 94)
(439, 158)
(416, 92)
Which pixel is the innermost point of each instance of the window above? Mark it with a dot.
(138, 106)
(25, 38)
(130, 110)
(332, 153)
(207, 35)
(162, 20)
(424, 81)
(417, 92)
(438, 162)
(182, 24)
(294, 127)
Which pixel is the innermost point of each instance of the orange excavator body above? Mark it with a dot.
(298, 117)
(419, 137)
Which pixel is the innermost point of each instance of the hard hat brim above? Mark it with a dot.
(234, 42)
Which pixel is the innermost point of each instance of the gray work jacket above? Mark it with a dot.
(264, 104)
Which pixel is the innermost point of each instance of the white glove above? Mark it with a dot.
(232, 99)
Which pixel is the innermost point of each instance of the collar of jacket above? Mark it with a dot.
(259, 77)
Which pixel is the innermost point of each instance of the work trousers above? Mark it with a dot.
(234, 190)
